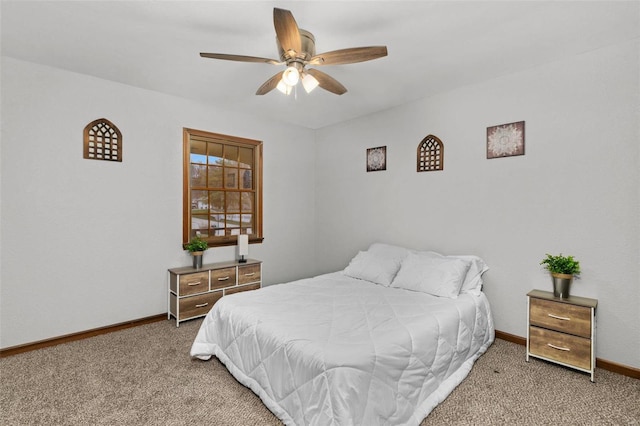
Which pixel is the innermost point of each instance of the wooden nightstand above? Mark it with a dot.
(562, 330)
(192, 292)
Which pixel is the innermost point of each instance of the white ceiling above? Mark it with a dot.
(434, 46)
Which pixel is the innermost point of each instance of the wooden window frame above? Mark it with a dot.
(226, 240)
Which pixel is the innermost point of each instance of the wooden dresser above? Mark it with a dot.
(192, 292)
(562, 330)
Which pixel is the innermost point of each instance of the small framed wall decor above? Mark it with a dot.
(430, 154)
(377, 159)
(102, 140)
(505, 140)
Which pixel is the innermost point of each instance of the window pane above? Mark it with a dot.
(199, 202)
(231, 155)
(198, 152)
(215, 177)
(246, 158)
(233, 202)
(233, 222)
(216, 201)
(247, 202)
(198, 176)
(247, 182)
(199, 225)
(215, 153)
(246, 222)
(230, 178)
(216, 221)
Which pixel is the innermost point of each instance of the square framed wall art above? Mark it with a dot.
(377, 159)
(505, 140)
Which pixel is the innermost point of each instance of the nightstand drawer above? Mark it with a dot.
(241, 288)
(198, 305)
(561, 317)
(223, 278)
(194, 283)
(248, 274)
(560, 347)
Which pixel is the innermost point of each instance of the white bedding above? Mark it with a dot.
(334, 350)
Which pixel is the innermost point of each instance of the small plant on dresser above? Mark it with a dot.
(560, 264)
(196, 247)
(562, 269)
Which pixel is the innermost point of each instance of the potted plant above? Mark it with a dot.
(562, 269)
(196, 247)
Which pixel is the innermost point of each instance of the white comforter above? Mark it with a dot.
(334, 350)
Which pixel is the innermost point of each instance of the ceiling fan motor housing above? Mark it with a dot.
(308, 43)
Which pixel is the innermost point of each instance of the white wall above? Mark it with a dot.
(87, 243)
(72, 229)
(575, 191)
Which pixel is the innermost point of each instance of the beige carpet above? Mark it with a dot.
(144, 376)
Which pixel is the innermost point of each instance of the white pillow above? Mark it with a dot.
(473, 280)
(437, 275)
(389, 251)
(372, 267)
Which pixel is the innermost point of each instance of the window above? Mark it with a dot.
(222, 188)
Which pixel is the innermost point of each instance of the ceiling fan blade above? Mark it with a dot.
(327, 82)
(349, 56)
(287, 30)
(240, 58)
(270, 84)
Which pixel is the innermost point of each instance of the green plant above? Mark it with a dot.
(561, 264)
(196, 244)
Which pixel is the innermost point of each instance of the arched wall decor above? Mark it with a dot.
(102, 141)
(430, 154)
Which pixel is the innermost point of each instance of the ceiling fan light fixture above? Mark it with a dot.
(284, 88)
(309, 82)
(291, 76)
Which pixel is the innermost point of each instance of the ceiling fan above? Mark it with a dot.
(297, 49)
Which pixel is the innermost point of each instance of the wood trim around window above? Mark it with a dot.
(256, 236)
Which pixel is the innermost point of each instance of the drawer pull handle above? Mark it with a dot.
(558, 347)
(195, 283)
(250, 274)
(560, 318)
(202, 305)
(223, 279)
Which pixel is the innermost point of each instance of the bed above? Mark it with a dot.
(382, 342)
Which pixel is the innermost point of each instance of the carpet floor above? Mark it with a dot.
(144, 376)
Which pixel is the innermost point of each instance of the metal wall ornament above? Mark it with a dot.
(430, 154)
(102, 140)
(377, 159)
(505, 140)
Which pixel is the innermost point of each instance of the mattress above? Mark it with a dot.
(335, 350)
